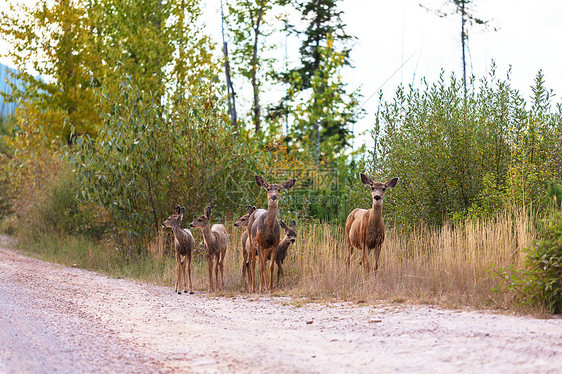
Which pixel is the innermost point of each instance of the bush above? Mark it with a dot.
(58, 210)
(541, 280)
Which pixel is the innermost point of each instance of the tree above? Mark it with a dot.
(323, 53)
(463, 8)
(328, 108)
(53, 39)
(247, 19)
(155, 42)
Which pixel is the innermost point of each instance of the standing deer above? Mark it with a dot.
(263, 229)
(283, 246)
(245, 241)
(184, 244)
(216, 240)
(364, 228)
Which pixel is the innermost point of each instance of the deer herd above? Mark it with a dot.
(364, 231)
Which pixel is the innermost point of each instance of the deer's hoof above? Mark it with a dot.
(186, 291)
(191, 292)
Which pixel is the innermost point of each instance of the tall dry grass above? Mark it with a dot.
(451, 265)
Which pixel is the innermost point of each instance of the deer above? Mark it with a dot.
(243, 222)
(215, 240)
(283, 246)
(364, 228)
(184, 244)
(263, 228)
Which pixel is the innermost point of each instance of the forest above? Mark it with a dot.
(137, 111)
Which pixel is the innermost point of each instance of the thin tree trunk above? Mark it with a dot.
(229, 84)
(463, 43)
(255, 86)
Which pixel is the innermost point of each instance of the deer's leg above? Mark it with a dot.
(262, 269)
(279, 272)
(222, 268)
(178, 264)
(217, 284)
(183, 275)
(210, 268)
(365, 259)
(273, 255)
(245, 282)
(252, 269)
(189, 273)
(245, 269)
(377, 255)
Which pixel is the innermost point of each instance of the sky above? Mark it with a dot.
(400, 42)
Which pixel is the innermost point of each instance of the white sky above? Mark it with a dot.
(391, 33)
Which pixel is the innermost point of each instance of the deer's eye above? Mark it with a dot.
(384, 189)
(199, 220)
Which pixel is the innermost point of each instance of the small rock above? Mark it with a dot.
(309, 322)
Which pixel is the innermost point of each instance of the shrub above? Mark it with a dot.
(540, 282)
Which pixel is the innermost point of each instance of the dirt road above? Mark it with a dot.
(55, 319)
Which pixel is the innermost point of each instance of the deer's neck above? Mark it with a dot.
(283, 244)
(180, 235)
(375, 216)
(208, 234)
(272, 211)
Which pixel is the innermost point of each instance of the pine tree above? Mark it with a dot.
(323, 120)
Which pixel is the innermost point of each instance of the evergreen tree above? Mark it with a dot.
(323, 120)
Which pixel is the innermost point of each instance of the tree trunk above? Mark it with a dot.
(255, 85)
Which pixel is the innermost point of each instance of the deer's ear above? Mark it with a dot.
(391, 183)
(365, 179)
(293, 224)
(182, 211)
(261, 182)
(283, 226)
(288, 184)
(251, 209)
(208, 211)
(178, 208)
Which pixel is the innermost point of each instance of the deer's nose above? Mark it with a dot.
(292, 241)
(274, 197)
(377, 197)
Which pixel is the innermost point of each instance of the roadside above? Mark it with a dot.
(59, 319)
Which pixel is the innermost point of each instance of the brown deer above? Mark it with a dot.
(184, 244)
(215, 240)
(263, 230)
(283, 246)
(245, 241)
(364, 228)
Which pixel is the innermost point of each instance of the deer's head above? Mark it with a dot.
(378, 188)
(203, 220)
(243, 221)
(175, 219)
(274, 189)
(290, 231)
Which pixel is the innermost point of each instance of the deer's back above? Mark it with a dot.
(184, 242)
(220, 233)
(282, 251)
(261, 234)
(361, 229)
(245, 245)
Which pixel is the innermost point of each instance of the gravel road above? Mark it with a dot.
(56, 319)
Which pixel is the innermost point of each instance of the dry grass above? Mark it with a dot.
(450, 266)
